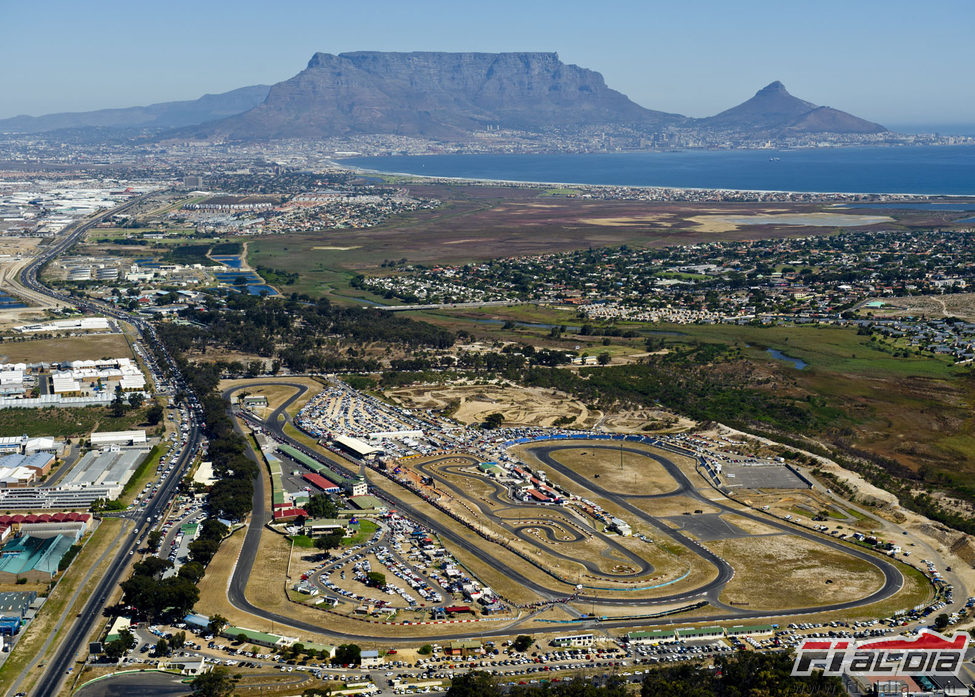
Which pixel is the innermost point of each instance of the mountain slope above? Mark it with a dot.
(209, 107)
(773, 109)
(438, 95)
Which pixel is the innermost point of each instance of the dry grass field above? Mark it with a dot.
(71, 348)
(792, 572)
(618, 472)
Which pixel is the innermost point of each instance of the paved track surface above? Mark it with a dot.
(710, 591)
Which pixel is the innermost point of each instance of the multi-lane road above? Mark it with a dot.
(143, 519)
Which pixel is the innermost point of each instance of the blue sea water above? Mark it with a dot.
(921, 170)
(917, 206)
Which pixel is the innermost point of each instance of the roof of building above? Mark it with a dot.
(652, 634)
(313, 522)
(355, 445)
(751, 629)
(685, 632)
(106, 436)
(28, 553)
(16, 602)
(251, 635)
(367, 502)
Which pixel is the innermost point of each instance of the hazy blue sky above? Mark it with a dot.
(892, 61)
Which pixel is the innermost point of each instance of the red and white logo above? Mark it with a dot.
(929, 653)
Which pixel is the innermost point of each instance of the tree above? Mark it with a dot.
(192, 571)
(203, 549)
(941, 621)
(219, 682)
(136, 399)
(425, 650)
(321, 506)
(330, 541)
(347, 655)
(603, 358)
(177, 640)
(376, 579)
(241, 638)
(476, 683)
(522, 643)
(493, 420)
(118, 403)
(162, 648)
(152, 542)
(216, 624)
(117, 648)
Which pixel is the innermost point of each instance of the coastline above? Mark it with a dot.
(344, 163)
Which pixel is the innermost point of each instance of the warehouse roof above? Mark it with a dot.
(27, 553)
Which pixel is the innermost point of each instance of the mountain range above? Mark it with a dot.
(444, 96)
(165, 115)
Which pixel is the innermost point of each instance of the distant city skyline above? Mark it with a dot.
(893, 62)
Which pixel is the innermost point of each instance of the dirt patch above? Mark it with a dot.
(521, 406)
(961, 305)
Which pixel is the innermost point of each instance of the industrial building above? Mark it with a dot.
(109, 469)
(67, 325)
(35, 559)
(104, 438)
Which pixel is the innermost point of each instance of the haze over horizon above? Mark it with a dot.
(863, 58)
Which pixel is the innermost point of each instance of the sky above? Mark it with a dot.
(890, 61)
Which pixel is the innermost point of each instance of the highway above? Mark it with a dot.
(77, 634)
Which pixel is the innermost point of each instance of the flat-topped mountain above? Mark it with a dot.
(209, 107)
(444, 96)
(774, 109)
(436, 95)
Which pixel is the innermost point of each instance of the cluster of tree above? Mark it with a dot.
(687, 381)
(278, 277)
(347, 655)
(329, 541)
(750, 674)
(208, 540)
(321, 506)
(121, 404)
(188, 254)
(151, 597)
(302, 333)
(510, 362)
(231, 497)
(165, 646)
(219, 682)
(115, 649)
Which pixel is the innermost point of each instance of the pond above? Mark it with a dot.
(797, 363)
